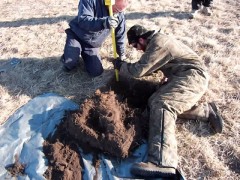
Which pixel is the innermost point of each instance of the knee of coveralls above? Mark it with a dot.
(162, 141)
(92, 61)
(72, 50)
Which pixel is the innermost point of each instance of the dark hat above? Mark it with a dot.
(135, 32)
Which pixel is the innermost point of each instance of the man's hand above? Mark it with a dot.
(111, 21)
(117, 63)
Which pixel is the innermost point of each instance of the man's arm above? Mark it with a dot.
(92, 14)
(153, 59)
(120, 34)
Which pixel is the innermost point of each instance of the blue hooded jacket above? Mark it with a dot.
(88, 25)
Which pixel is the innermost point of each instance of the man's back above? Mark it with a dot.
(180, 56)
(165, 53)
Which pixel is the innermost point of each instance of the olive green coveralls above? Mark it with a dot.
(187, 82)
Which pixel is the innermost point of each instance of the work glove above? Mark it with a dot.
(117, 63)
(111, 22)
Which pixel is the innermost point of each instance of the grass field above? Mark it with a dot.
(33, 31)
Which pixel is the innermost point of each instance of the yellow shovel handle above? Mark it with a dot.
(113, 41)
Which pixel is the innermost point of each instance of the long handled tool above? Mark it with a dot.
(109, 3)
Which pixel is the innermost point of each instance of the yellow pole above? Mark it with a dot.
(109, 3)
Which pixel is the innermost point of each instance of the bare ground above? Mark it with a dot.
(33, 31)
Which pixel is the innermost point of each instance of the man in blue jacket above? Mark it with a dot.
(88, 30)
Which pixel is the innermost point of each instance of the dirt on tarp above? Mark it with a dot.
(110, 122)
(16, 169)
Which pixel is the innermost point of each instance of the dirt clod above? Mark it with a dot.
(16, 169)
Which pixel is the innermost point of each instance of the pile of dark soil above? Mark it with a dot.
(106, 124)
(109, 122)
(64, 159)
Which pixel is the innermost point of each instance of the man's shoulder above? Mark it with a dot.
(159, 37)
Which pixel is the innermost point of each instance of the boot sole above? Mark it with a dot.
(151, 174)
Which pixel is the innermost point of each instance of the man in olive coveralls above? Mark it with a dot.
(187, 81)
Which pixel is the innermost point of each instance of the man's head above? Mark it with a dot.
(137, 37)
(134, 33)
(119, 6)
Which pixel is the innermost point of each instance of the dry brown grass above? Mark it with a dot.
(34, 32)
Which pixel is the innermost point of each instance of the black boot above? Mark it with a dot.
(150, 170)
(65, 68)
(215, 118)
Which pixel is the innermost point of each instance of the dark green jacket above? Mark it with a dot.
(163, 53)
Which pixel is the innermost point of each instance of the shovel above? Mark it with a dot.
(109, 3)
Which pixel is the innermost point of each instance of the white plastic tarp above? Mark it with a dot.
(24, 132)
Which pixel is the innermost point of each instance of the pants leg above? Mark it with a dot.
(180, 94)
(72, 50)
(92, 61)
(162, 149)
(197, 112)
(196, 4)
(206, 3)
